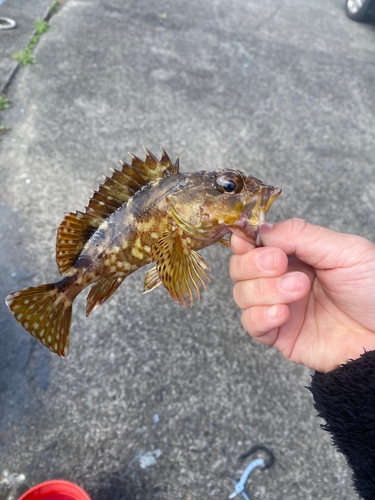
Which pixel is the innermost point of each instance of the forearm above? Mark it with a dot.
(345, 399)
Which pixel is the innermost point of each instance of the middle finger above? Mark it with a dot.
(288, 288)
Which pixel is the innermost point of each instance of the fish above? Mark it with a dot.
(147, 212)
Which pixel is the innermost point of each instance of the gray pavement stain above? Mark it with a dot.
(285, 102)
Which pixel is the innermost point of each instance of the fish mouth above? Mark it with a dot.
(264, 199)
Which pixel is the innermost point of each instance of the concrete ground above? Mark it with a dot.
(15, 40)
(156, 401)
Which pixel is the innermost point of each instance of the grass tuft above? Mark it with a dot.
(55, 6)
(41, 27)
(25, 58)
(4, 103)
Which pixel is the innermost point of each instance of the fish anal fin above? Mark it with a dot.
(180, 268)
(152, 280)
(45, 313)
(101, 291)
(72, 235)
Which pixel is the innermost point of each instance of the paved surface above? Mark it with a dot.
(156, 401)
(15, 40)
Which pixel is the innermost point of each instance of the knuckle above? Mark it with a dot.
(241, 267)
(297, 226)
(237, 294)
(247, 321)
(258, 289)
(243, 293)
(233, 267)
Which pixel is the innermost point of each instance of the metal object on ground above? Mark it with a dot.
(239, 486)
(7, 24)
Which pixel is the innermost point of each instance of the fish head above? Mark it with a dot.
(227, 200)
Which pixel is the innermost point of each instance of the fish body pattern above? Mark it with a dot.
(147, 212)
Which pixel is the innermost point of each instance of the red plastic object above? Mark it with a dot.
(55, 490)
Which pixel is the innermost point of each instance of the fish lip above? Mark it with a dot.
(259, 207)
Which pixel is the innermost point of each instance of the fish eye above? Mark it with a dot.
(229, 182)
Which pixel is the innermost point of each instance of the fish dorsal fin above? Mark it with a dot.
(76, 229)
(117, 189)
(180, 268)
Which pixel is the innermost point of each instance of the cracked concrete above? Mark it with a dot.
(284, 93)
(17, 39)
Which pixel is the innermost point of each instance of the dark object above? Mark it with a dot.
(239, 486)
(271, 458)
(345, 399)
(360, 10)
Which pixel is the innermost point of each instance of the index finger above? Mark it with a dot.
(262, 262)
(240, 245)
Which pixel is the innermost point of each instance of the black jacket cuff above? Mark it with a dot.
(345, 399)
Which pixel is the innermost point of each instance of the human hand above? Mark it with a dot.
(309, 292)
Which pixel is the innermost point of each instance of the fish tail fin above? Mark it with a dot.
(45, 312)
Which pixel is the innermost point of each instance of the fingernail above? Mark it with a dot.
(290, 282)
(265, 228)
(273, 312)
(267, 260)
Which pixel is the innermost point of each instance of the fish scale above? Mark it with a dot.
(147, 212)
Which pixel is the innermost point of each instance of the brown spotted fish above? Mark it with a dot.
(148, 212)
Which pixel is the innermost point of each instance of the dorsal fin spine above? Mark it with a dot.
(150, 155)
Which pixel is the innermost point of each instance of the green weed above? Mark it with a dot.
(4, 103)
(41, 27)
(24, 58)
(55, 6)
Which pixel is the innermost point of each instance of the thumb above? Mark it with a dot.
(315, 245)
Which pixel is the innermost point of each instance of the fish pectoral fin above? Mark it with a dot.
(180, 268)
(152, 280)
(101, 292)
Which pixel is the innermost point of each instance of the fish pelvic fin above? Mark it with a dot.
(101, 292)
(179, 267)
(45, 312)
(152, 280)
(225, 242)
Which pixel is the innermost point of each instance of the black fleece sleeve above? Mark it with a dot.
(345, 399)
